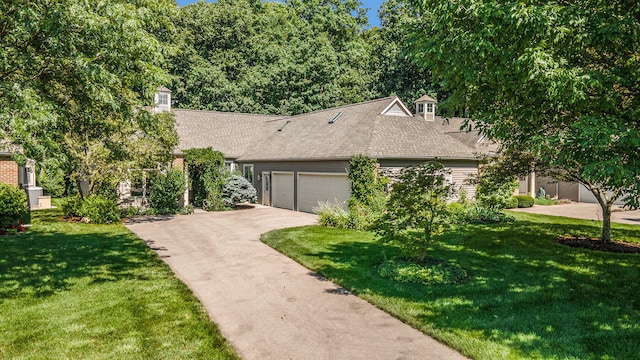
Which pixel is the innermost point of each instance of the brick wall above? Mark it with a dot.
(8, 171)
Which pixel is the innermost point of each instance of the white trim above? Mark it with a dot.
(400, 103)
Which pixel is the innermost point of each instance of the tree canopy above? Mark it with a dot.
(75, 77)
(555, 82)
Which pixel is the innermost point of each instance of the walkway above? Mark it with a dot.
(267, 305)
(585, 211)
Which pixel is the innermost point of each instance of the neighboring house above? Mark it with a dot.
(296, 161)
(23, 176)
(13, 174)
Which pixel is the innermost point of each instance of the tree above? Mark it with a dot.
(417, 211)
(270, 57)
(396, 71)
(556, 83)
(75, 77)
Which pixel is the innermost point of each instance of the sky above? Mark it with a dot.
(372, 5)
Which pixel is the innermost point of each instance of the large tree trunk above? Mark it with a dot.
(606, 223)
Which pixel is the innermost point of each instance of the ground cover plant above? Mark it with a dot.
(73, 290)
(526, 295)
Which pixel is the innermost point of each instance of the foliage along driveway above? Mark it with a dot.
(267, 305)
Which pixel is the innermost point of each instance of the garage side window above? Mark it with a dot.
(247, 172)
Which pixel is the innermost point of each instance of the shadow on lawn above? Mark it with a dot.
(524, 290)
(54, 255)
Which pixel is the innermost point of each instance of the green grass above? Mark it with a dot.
(71, 290)
(527, 297)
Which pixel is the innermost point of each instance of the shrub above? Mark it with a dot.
(100, 210)
(237, 190)
(13, 205)
(546, 201)
(478, 214)
(368, 199)
(495, 190)
(72, 207)
(525, 201)
(417, 211)
(332, 214)
(166, 191)
(434, 271)
(365, 216)
(206, 177)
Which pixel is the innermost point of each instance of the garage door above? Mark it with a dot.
(315, 187)
(282, 190)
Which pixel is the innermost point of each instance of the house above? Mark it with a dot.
(24, 177)
(296, 161)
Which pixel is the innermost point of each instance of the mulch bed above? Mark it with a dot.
(595, 244)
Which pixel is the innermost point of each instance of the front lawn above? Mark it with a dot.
(526, 296)
(81, 291)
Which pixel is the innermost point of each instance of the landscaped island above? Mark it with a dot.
(526, 296)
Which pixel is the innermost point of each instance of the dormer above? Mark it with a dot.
(162, 100)
(426, 107)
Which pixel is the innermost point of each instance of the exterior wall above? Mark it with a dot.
(295, 167)
(9, 171)
(461, 172)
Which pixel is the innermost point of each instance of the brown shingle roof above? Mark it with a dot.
(425, 98)
(230, 133)
(360, 129)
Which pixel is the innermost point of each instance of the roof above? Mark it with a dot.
(229, 133)
(360, 129)
(425, 98)
(163, 89)
(331, 134)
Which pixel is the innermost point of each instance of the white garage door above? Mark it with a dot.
(282, 190)
(315, 187)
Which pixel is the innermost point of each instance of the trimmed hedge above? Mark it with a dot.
(525, 201)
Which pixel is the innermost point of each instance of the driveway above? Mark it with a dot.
(585, 211)
(267, 305)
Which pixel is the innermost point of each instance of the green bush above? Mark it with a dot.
(72, 207)
(13, 205)
(237, 190)
(434, 271)
(365, 216)
(525, 201)
(494, 190)
(368, 199)
(100, 210)
(332, 214)
(478, 214)
(166, 191)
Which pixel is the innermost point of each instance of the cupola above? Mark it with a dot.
(162, 100)
(426, 107)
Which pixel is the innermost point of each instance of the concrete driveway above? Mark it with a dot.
(267, 305)
(585, 211)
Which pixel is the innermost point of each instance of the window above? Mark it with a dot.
(163, 99)
(429, 108)
(247, 172)
(420, 108)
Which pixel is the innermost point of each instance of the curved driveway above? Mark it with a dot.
(267, 305)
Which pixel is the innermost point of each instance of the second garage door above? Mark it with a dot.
(316, 187)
